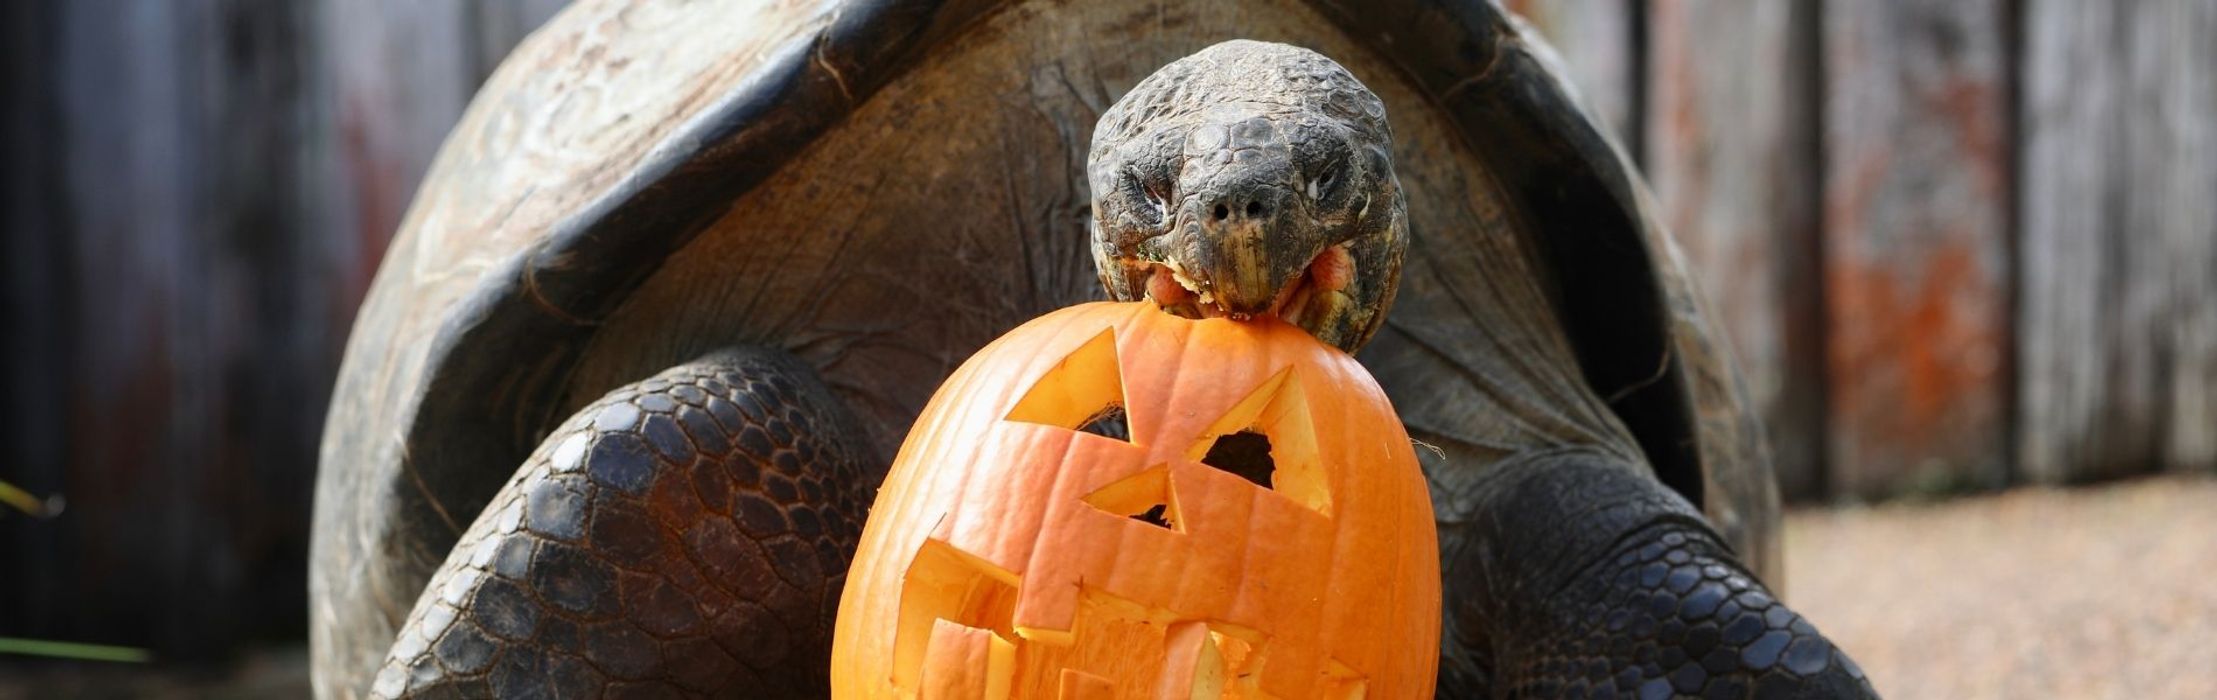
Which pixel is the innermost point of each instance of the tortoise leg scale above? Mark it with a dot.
(1583, 577)
(686, 535)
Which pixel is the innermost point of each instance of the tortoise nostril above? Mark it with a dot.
(1237, 208)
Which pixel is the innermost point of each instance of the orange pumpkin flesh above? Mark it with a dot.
(1011, 555)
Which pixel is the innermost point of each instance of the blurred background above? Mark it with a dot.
(1965, 252)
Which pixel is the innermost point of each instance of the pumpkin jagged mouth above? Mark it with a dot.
(958, 613)
(957, 620)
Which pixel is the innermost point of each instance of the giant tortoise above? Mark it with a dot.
(696, 267)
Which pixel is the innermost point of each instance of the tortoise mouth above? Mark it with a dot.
(1315, 300)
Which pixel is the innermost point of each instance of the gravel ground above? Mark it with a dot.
(2100, 592)
(2097, 592)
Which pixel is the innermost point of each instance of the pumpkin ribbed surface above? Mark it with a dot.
(1112, 501)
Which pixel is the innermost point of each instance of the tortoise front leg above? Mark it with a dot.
(1581, 576)
(685, 535)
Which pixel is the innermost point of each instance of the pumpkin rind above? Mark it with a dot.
(1003, 535)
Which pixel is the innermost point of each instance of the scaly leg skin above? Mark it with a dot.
(686, 535)
(1582, 577)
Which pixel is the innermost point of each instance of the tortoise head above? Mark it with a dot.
(1250, 179)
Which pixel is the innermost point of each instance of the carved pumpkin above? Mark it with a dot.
(1263, 532)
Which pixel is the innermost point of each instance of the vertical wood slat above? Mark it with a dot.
(162, 173)
(2072, 181)
(1916, 267)
(1730, 143)
(1597, 43)
(135, 417)
(2172, 141)
(2118, 339)
(33, 307)
(181, 279)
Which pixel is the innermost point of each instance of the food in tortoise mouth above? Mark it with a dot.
(1116, 498)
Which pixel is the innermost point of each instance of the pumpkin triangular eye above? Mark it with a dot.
(1084, 392)
(1269, 438)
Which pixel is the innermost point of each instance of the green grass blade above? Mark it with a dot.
(23, 500)
(73, 650)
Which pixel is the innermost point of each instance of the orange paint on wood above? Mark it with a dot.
(1915, 228)
(1931, 325)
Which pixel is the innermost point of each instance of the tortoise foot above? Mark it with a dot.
(685, 535)
(1583, 577)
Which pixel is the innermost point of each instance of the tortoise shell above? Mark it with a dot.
(882, 187)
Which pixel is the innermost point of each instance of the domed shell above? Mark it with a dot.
(881, 187)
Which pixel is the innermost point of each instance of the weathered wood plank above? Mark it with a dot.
(34, 381)
(179, 285)
(1730, 153)
(2120, 156)
(2073, 177)
(134, 405)
(1916, 191)
(2172, 143)
(1597, 42)
(175, 386)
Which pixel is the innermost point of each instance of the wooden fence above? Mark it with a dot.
(196, 195)
(1955, 243)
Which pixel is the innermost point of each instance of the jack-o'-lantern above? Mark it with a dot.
(1115, 502)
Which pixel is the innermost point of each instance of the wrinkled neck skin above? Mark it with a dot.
(1251, 179)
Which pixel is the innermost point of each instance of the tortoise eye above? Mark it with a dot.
(1325, 184)
(1151, 194)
